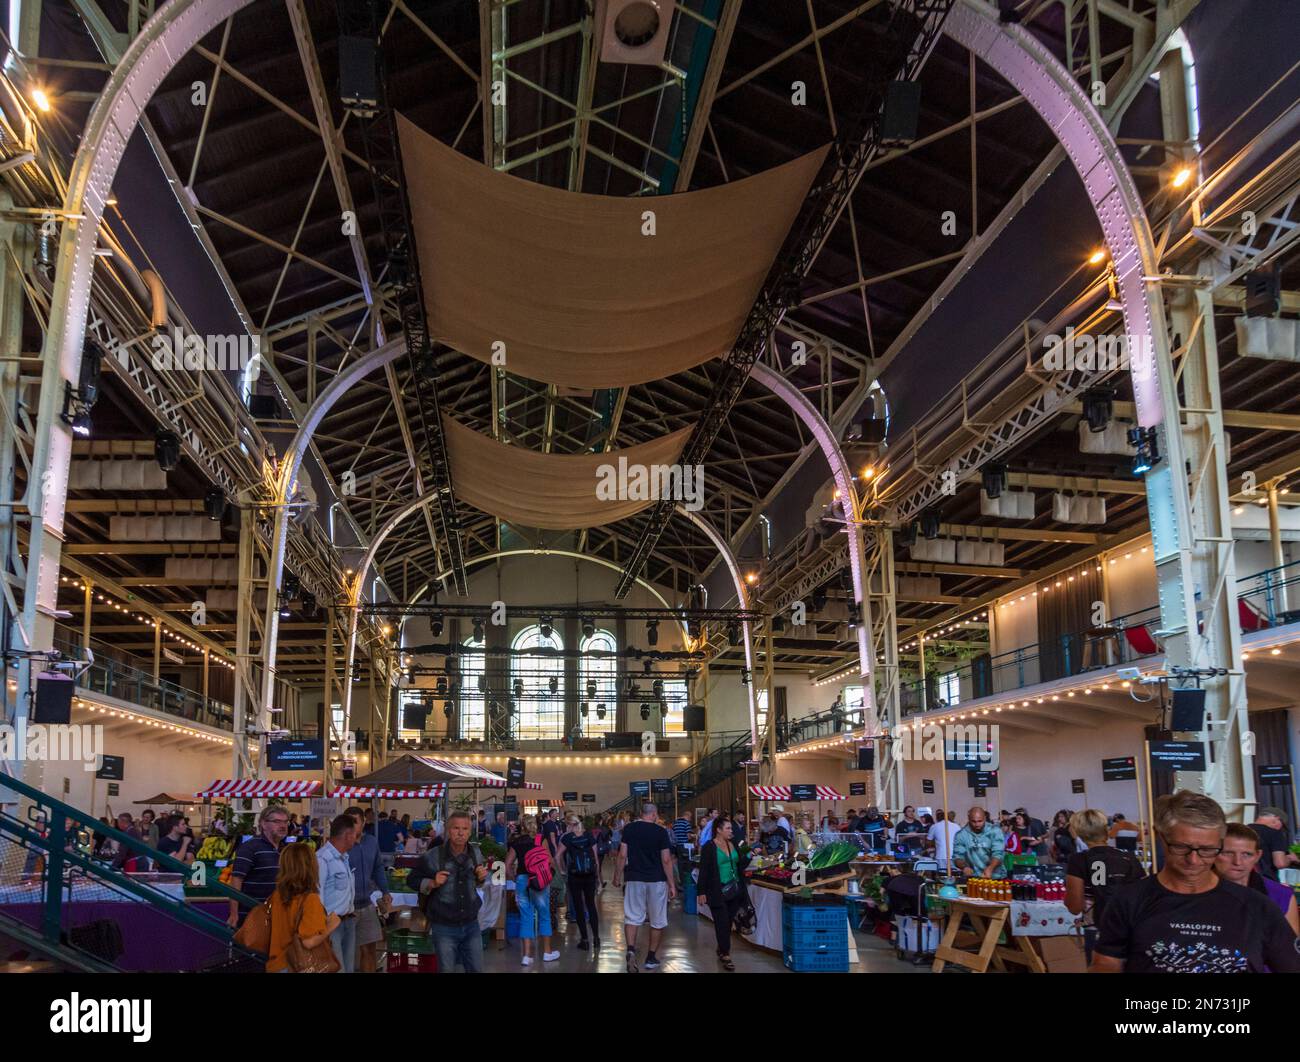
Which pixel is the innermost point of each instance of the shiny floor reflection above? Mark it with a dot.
(687, 947)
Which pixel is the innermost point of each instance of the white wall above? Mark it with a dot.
(147, 770)
(1035, 771)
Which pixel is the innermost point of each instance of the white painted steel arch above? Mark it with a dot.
(180, 24)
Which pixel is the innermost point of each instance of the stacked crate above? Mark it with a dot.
(814, 935)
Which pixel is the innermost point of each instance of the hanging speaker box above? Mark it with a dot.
(634, 31)
(53, 698)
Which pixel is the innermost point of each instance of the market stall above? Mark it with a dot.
(801, 894)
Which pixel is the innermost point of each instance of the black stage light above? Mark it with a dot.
(478, 630)
(600, 711)
(435, 625)
(1098, 407)
(1147, 444)
(591, 687)
(167, 450)
(588, 627)
(92, 358)
(554, 684)
(733, 632)
(994, 475)
(214, 504)
(292, 585)
(930, 524)
(446, 709)
(582, 709)
(547, 626)
(645, 711)
(652, 632)
(309, 606)
(519, 687)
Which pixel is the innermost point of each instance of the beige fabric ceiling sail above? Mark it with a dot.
(568, 282)
(552, 491)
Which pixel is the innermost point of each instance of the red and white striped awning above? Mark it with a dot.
(473, 773)
(260, 788)
(371, 792)
(782, 792)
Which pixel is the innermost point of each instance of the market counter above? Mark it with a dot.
(767, 900)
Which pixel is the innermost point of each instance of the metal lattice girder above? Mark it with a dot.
(913, 30)
(383, 154)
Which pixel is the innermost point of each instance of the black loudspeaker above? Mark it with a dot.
(358, 86)
(693, 719)
(867, 758)
(901, 115)
(623, 740)
(53, 698)
(415, 716)
(1188, 715)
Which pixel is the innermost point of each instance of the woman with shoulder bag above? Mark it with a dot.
(300, 929)
(722, 883)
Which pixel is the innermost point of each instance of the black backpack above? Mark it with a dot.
(579, 858)
(1122, 869)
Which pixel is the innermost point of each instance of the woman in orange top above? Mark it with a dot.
(297, 897)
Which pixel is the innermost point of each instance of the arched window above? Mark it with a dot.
(473, 702)
(598, 678)
(539, 709)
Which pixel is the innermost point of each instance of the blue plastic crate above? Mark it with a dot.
(813, 917)
(815, 940)
(803, 962)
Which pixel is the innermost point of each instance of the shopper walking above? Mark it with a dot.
(1270, 827)
(645, 865)
(941, 837)
(722, 883)
(296, 907)
(1063, 841)
(447, 879)
(256, 865)
(338, 889)
(1186, 919)
(529, 863)
(578, 857)
(368, 877)
(1239, 863)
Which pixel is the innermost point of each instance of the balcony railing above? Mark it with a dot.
(1265, 599)
(114, 678)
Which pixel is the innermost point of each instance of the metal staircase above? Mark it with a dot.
(59, 902)
(717, 766)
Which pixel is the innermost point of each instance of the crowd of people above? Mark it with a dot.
(1216, 904)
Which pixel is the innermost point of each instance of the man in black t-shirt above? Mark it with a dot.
(1270, 825)
(645, 864)
(1185, 919)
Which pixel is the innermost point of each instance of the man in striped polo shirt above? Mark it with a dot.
(257, 861)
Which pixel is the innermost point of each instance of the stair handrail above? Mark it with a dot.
(50, 836)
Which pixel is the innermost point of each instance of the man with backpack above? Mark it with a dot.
(447, 879)
(645, 864)
(1093, 876)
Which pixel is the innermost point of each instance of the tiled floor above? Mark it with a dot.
(687, 947)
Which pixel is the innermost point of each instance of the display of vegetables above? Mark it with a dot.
(833, 854)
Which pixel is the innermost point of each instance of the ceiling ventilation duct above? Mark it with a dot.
(634, 31)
